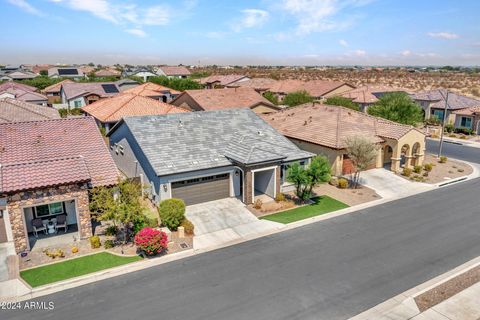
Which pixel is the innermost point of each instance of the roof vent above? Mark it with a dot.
(180, 123)
(170, 165)
(260, 133)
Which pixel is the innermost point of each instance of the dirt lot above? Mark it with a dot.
(348, 196)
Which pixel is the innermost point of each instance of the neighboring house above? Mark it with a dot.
(77, 95)
(53, 92)
(173, 72)
(261, 85)
(433, 103)
(204, 156)
(17, 75)
(12, 110)
(155, 91)
(140, 72)
(227, 98)
(26, 95)
(125, 84)
(108, 112)
(87, 69)
(318, 89)
(47, 168)
(15, 85)
(108, 72)
(323, 129)
(367, 95)
(468, 118)
(37, 68)
(67, 72)
(222, 81)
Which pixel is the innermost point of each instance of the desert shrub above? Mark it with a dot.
(151, 241)
(428, 167)
(343, 183)
(452, 135)
(172, 213)
(443, 159)
(333, 181)
(188, 226)
(280, 197)
(111, 231)
(95, 242)
(425, 174)
(407, 172)
(55, 253)
(449, 128)
(417, 169)
(108, 244)
(258, 204)
(467, 131)
(460, 170)
(463, 137)
(74, 249)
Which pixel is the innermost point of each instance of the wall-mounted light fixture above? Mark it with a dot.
(165, 188)
(237, 173)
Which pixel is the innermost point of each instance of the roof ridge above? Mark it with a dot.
(21, 104)
(45, 120)
(11, 164)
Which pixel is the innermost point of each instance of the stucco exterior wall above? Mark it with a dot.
(261, 108)
(334, 156)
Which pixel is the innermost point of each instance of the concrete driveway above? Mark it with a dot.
(225, 220)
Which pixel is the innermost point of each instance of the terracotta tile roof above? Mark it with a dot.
(259, 84)
(369, 93)
(316, 88)
(150, 89)
(226, 98)
(40, 152)
(12, 110)
(175, 71)
(56, 87)
(437, 99)
(223, 80)
(15, 85)
(468, 111)
(25, 95)
(330, 125)
(40, 67)
(109, 72)
(128, 104)
(77, 89)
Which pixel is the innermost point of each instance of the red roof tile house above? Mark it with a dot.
(222, 81)
(318, 89)
(154, 91)
(173, 71)
(79, 94)
(46, 170)
(367, 95)
(226, 98)
(323, 129)
(468, 118)
(12, 110)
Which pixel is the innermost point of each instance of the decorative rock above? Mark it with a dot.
(181, 232)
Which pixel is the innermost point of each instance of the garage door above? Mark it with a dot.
(203, 189)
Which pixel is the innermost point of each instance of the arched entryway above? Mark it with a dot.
(405, 156)
(416, 152)
(387, 156)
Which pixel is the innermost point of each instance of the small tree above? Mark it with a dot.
(398, 107)
(297, 98)
(342, 101)
(270, 96)
(172, 213)
(306, 178)
(362, 152)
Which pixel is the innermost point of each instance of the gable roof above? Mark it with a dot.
(21, 74)
(25, 95)
(128, 104)
(150, 89)
(201, 140)
(223, 80)
(226, 98)
(12, 110)
(56, 87)
(330, 126)
(369, 93)
(468, 111)
(15, 85)
(65, 72)
(437, 99)
(53, 152)
(174, 70)
(77, 89)
(316, 88)
(259, 84)
(108, 72)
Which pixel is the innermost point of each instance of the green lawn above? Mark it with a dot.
(323, 204)
(74, 268)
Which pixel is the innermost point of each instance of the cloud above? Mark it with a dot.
(137, 32)
(25, 6)
(251, 18)
(406, 53)
(360, 53)
(343, 43)
(443, 35)
(156, 16)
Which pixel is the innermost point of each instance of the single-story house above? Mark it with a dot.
(12, 110)
(125, 84)
(323, 129)
(154, 91)
(468, 118)
(21, 94)
(107, 112)
(433, 103)
(17, 75)
(222, 81)
(204, 156)
(367, 95)
(66, 72)
(318, 89)
(108, 72)
(79, 94)
(261, 85)
(140, 72)
(226, 98)
(47, 168)
(173, 71)
(16, 85)
(53, 92)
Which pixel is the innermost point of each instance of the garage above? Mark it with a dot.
(203, 189)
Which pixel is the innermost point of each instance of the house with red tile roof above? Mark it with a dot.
(318, 89)
(154, 91)
(173, 71)
(12, 110)
(367, 95)
(108, 72)
(222, 81)
(260, 85)
(53, 92)
(108, 112)
(468, 118)
(22, 92)
(226, 98)
(46, 170)
(324, 129)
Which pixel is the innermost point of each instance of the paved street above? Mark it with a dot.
(328, 270)
(455, 151)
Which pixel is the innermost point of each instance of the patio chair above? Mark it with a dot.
(61, 222)
(38, 225)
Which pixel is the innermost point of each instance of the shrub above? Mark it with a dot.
(463, 137)
(55, 253)
(188, 226)
(452, 135)
(172, 213)
(108, 244)
(151, 241)
(280, 197)
(466, 131)
(258, 204)
(449, 128)
(425, 174)
(111, 231)
(460, 170)
(417, 169)
(428, 167)
(443, 159)
(74, 249)
(343, 183)
(95, 242)
(143, 221)
(334, 181)
(407, 172)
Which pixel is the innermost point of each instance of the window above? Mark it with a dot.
(77, 103)
(438, 114)
(47, 210)
(466, 122)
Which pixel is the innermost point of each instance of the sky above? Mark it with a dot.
(241, 32)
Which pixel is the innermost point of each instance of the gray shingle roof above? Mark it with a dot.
(200, 140)
(437, 97)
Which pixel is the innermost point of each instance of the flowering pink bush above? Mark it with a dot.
(151, 241)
